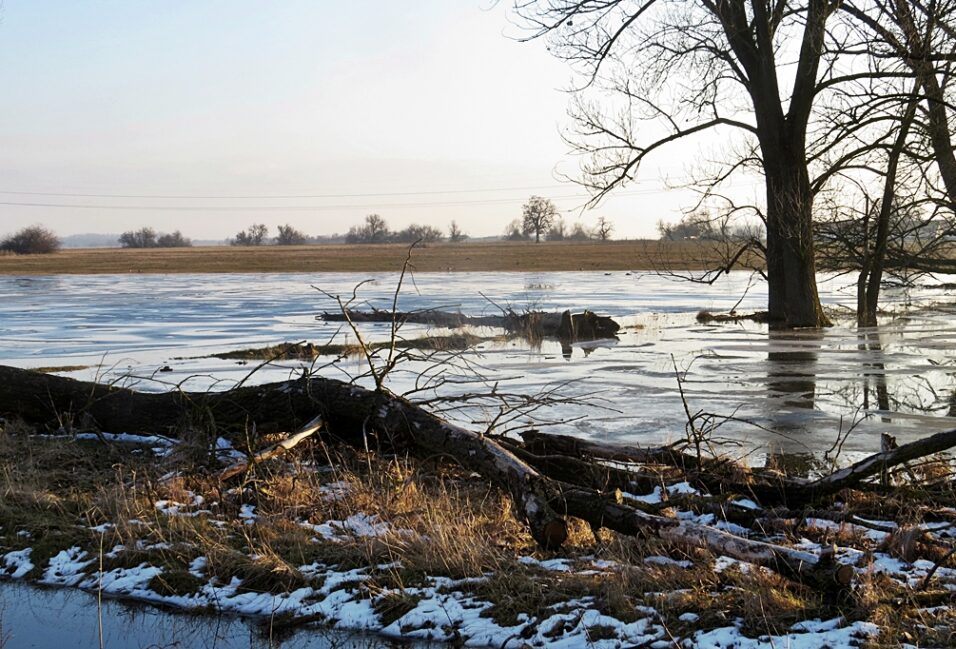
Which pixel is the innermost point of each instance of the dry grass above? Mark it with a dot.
(441, 522)
(477, 256)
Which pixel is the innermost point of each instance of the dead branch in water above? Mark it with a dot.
(534, 324)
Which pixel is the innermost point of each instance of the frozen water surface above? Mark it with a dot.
(786, 391)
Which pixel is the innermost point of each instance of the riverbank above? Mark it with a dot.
(441, 257)
(348, 540)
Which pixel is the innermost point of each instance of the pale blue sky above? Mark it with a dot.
(243, 98)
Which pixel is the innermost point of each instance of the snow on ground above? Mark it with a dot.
(442, 609)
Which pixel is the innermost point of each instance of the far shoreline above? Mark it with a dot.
(493, 256)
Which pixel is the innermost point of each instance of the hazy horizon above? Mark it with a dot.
(206, 117)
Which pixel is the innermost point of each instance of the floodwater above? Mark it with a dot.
(32, 617)
(769, 391)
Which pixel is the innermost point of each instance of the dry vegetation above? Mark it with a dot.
(442, 522)
(475, 256)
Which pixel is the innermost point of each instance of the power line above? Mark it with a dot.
(306, 208)
(282, 196)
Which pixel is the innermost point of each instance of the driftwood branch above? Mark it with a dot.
(273, 451)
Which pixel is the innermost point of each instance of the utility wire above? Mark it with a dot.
(306, 208)
(282, 196)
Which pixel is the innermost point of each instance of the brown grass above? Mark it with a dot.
(443, 521)
(447, 257)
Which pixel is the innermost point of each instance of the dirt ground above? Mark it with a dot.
(442, 257)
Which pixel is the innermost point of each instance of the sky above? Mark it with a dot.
(207, 116)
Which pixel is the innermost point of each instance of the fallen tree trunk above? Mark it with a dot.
(355, 413)
(727, 477)
(565, 326)
(602, 511)
(349, 411)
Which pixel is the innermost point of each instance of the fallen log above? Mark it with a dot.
(600, 510)
(349, 411)
(725, 476)
(586, 325)
(361, 415)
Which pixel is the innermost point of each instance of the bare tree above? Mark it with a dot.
(558, 230)
(289, 236)
(515, 232)
(375, 230)
(920, 34)
(142, 238)
(578, 233)
(254, 235)
(603, 229)
(455, 233)
(173, 240)
(537, 216)
(702, 66)
(32, 240)
(415, 232)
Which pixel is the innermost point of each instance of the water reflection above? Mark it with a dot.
(56, 618)
(874, 372)
(792, 368)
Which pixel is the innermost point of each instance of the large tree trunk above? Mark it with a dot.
(791, 265)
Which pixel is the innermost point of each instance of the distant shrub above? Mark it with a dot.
(148, 238)
(33, 240)
(173, 240)
(514, 232)
(375, 230)
(254, 235)
(413, 233)
(289, 236)
(142, 238)
(455, 233)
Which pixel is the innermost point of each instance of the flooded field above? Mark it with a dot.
(793, 392)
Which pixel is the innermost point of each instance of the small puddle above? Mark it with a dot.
(42, 618)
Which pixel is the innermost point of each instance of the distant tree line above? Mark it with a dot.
(149, 238)
(702, 225)
(540, 217)
(376, 230)
(32, 240)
